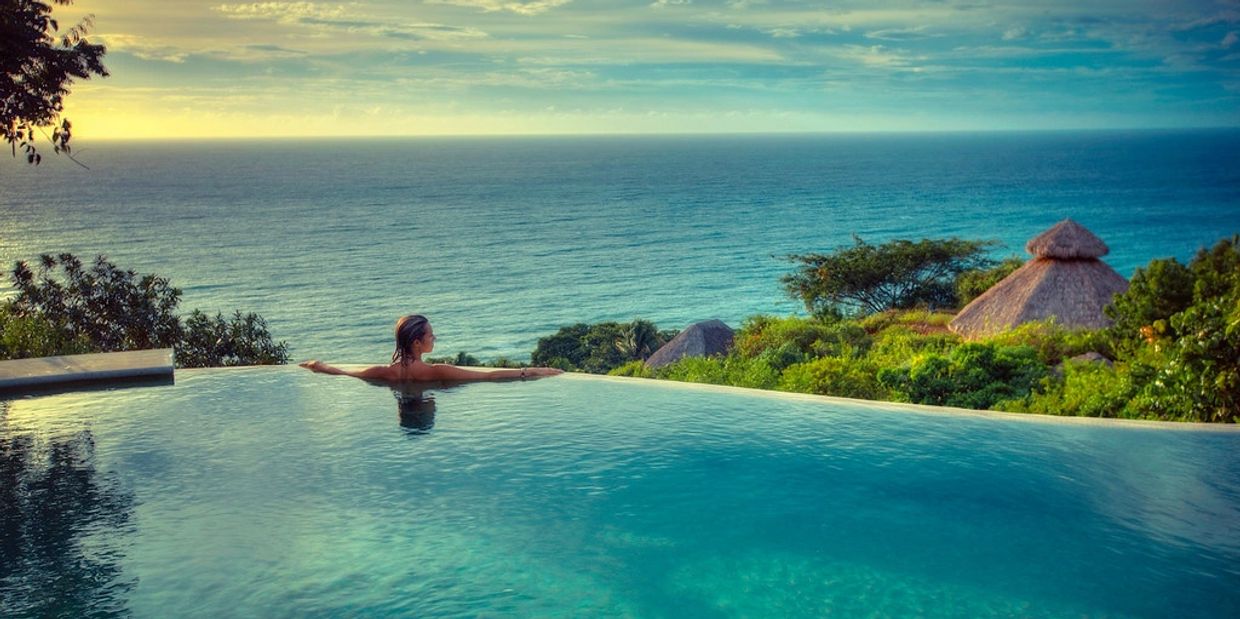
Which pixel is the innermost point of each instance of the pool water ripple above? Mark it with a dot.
(277, 492)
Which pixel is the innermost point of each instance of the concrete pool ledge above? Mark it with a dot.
(69, 370)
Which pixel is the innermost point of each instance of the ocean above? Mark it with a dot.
(501, 241)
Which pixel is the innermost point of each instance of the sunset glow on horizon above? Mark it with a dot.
(499, 67)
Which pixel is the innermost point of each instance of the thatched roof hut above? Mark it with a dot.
(700, 339)
(1065, 280)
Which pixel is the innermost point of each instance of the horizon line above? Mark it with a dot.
(859, 132)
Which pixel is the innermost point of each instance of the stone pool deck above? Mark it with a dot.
(52, 372)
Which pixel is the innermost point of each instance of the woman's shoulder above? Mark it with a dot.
(418, 370)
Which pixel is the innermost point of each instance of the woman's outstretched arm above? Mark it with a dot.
(444, 371)
(380, 372)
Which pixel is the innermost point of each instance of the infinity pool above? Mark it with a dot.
(274, 492)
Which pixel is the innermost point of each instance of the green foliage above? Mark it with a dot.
(638, 369)
(213, 341)
(833, 376)
(1156, 292)
(461, 358)
(895, 346)
(971, 284)
(1087, 389)
(922, 321)
(638, 340)
(1054, 342)
(598, 348)
(898, 274)
(730, 370)
(23, 337)
(792, 337)
(1179, 358)
(38, 63)
(973, 375)
(1215, 270)
(113, 308)
(1201, 377)
(66, 307)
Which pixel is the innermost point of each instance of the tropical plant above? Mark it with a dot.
(973, 375)
(728, 370)
(638, 340)
(600, 347)
(1157, 291)
(213, 341)
(65, 307)
(847, 378)
(900, 274)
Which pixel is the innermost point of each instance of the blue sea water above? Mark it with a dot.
(503, 240)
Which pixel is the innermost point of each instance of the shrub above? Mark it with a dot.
(23, 337)
(896, 346)
(1088, 389)
(1054, 342)
(730, 370)
(973, 375)
(212, 341)
(847, 378)
(1157, 291)
(461, 358)
(1199, 378)
(67, 307)
(764, 334)
(638, 369)
(112, 308)
(600, 347)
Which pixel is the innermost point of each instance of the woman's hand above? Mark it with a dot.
(314, 365)
(543, 371)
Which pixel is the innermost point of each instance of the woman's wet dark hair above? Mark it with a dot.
(408, 330)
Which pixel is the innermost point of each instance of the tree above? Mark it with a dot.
(638, 340)
(898, 274)
(1157, 291)
(599, 348)
(65, 307)
(38, 63)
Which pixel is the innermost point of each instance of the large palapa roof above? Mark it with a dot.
(1065, 280)
(1067, 239)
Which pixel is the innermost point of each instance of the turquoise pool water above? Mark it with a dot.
(277, 493)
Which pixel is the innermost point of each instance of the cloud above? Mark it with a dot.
(784, 33)
(875, 56)
(1229, 40)
(528, 7)
(1013, 34)
(276, 50)
(284, 12)
(659, 4)
(343, 18)
(143, 48)
(902, 34)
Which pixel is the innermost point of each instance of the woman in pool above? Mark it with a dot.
(414, 338)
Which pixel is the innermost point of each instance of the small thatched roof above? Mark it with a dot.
(1065, 281)
(1067, 239)
(700, 339)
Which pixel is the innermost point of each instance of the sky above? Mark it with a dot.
(187, 68)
